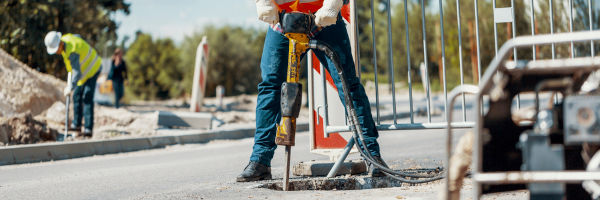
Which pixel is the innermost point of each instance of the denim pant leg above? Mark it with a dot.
(273, 66)
(337, 37)
(89, 88)
(77, 106)
(118, 88)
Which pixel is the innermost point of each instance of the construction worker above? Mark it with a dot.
(273, 71)
(83, 64)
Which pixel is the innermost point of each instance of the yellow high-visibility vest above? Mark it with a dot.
(89, 61)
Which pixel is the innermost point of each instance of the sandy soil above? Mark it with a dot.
(23, 89)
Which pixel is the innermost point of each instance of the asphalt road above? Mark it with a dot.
(208, 171)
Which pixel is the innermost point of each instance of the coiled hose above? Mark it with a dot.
(355, 128)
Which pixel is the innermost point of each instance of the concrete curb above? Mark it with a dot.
(66, 150)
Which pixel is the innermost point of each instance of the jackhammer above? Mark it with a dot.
(297, 27)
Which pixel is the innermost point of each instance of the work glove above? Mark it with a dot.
(67, 90)
(267, 11)
(327, 14)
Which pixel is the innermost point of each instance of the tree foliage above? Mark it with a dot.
(26, 22)
(154, 70)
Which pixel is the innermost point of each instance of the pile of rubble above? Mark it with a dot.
(24, 89)
(25, 93)
(24, 129)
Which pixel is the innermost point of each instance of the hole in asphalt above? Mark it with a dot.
(341, 183)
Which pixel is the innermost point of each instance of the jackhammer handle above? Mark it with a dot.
(67, 117)
(297, 22)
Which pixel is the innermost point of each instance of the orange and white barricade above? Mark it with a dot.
(199, 84)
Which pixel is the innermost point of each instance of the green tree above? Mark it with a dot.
(153, 67)
(26, 22)
(581, 22)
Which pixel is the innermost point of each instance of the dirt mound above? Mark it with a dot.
(23, 89)
(23, 129)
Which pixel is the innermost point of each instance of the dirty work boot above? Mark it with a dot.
(254, 172)
(87, 132)
(375, 171)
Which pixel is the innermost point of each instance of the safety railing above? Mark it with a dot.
(501, 15)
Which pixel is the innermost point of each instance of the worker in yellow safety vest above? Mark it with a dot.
(83, 66)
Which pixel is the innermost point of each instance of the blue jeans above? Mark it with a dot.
(83, 103)
(118, 88)
(273, 71)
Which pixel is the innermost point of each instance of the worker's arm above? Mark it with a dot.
(267, 11)
(327, 14)
(75, 69)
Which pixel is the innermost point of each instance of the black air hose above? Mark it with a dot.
(325, 48)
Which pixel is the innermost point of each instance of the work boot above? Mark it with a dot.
(375, 171)
(87, 132)
(254, 171)
(74, 128)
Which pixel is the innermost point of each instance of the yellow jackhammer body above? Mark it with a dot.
(295, 27)
(291, 98)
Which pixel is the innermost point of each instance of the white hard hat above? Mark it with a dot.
(52, 41)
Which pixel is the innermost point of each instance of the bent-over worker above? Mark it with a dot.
(83, 66)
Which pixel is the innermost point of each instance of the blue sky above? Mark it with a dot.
(177, 18)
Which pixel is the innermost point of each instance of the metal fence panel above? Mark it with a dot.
(501, 15)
